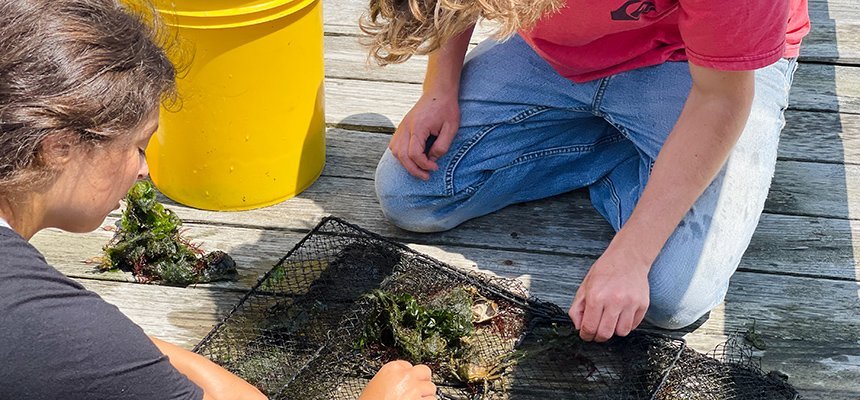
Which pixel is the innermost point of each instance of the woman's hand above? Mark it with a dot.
(217, 383)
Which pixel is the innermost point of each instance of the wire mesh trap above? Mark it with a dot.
(345, 301)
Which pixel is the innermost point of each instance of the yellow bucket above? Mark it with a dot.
(251, 128)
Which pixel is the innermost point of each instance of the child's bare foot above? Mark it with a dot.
(399, 380)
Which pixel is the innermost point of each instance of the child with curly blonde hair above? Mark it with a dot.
(667, 111)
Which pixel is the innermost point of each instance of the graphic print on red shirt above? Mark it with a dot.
(587, 40)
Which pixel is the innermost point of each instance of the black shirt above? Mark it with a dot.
(61, 341)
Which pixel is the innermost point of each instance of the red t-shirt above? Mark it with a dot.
(591, 39)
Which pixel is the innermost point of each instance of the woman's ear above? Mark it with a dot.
(57, 150)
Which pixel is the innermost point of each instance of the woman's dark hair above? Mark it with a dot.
(88, 70)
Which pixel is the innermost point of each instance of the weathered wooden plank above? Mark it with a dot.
(793, 244)
(823, 190)
(820, 87)
(808, 136)
(799, 188)
(368, 105)
(832, 42)
(787, 310)
(821, 137)
(833, 9)
(346, 58)
(341, 17)
(255, 251)
(176, 315)
(565, 224)
(835, 38)
(377, 105)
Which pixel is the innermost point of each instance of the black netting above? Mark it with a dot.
(298, 335)
(731, 372)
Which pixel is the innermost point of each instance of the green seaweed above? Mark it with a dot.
(148, 243)
(420, 334)
(446, 332)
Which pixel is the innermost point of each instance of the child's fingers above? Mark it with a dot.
(625, 322)
(590, 321)
(425, 389)
(400, 149)
(421, 372)
(443, 141)
(608, 322)
(639, 316)
(398, 365)
(577, 309)
(399, 143)
(413, 169)
(417, 145)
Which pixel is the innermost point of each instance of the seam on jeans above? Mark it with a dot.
(614, 138)
(598, 96)
(466, 147)
(613, 194)
(789, 80)
(617, 126)
(579, 148)
(471, 190)
(789, 75)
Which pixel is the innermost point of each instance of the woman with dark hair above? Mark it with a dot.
(81, 82)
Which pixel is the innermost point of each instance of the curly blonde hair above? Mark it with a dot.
(399, 29)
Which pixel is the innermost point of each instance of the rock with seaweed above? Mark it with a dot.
(418, 333)
(149, 244)
(456, 332)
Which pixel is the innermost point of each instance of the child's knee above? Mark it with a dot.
(401, 201)
(400, 213)
(673, 311)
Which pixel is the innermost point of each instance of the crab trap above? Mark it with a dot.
(345, 301)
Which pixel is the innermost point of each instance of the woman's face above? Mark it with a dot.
(93, 181)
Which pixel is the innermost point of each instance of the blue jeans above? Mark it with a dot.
(527, 133)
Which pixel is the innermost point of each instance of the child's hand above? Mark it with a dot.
(613, 297)
(434, 115)
(399, 380)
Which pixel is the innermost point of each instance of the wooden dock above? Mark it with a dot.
(799, 280)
